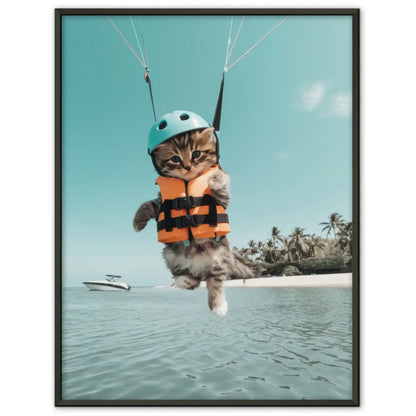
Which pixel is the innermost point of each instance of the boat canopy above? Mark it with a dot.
(111, 277)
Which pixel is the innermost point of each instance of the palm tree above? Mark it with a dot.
(335, 220)
(245, 252)
(270, 253)
(260, 250)
(285, 250)
(315, 244)
(252, 248)
(345, 237)
(276, 236)
(297, 242)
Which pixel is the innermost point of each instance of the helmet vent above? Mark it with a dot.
(162, 125)
(184, 117)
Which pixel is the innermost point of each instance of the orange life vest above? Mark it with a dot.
(189, 209)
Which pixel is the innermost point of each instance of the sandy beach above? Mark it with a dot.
(314, 280)
(318, 280)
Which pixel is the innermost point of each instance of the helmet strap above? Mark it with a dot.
(155, 164)
(217, 147)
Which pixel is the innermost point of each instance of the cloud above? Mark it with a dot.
(312, 95)
(337, 105)
(340, 105)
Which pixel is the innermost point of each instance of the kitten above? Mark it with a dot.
(187, 156)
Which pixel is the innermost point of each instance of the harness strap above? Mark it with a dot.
(217, 117)
(212, 213)
(147, 79)
(189, 221)
(168, 219)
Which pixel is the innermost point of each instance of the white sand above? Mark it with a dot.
(315, 280)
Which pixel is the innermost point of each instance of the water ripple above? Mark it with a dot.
(154, 344)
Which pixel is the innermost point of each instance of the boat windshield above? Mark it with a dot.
(112, 277)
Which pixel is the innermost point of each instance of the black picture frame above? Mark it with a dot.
(355, 14)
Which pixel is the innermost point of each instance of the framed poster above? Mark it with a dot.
(241, 286)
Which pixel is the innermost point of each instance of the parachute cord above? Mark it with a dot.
(228, 43)
(144, 44)
(145, 52)
(145, 66)
(147, 77)
(138, 43)
(128, 44)
(151, 95)
(260, 40)
(235, 40)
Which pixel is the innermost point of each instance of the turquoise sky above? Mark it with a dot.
(286, 130)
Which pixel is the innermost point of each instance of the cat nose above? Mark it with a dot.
(188, 167)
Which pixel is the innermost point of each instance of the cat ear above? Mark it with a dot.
(208, 134)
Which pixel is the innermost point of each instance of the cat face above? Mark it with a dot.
(187, 155)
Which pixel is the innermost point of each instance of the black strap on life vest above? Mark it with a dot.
(188, 202)
(189, 221)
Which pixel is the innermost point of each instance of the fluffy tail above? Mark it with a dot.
(245, 268)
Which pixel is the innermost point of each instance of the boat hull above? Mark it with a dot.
(105, 286)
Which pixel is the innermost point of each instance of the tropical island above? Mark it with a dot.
(299, 259)
(304, 254)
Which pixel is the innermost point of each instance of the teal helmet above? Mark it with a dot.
(172, 124)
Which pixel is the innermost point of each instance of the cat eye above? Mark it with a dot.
(175, 159)
(196, 154)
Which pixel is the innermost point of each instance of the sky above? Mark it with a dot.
(285, 139)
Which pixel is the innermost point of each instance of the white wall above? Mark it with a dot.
(388, 205)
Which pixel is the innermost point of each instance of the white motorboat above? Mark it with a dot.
(108, 284)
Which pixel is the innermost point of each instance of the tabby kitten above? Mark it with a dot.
(186, 156)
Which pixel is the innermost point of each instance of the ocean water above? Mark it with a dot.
(274, 344)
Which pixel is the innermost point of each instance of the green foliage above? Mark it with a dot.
(335, 220)
(312, 265)
(296, 246)
(291, 271)
(301, 253)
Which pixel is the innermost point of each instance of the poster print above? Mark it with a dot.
(207, 206)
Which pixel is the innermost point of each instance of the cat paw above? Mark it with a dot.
(220, 309)
(186, 282)
(218, 180)
(145, 213)
(139, 224)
